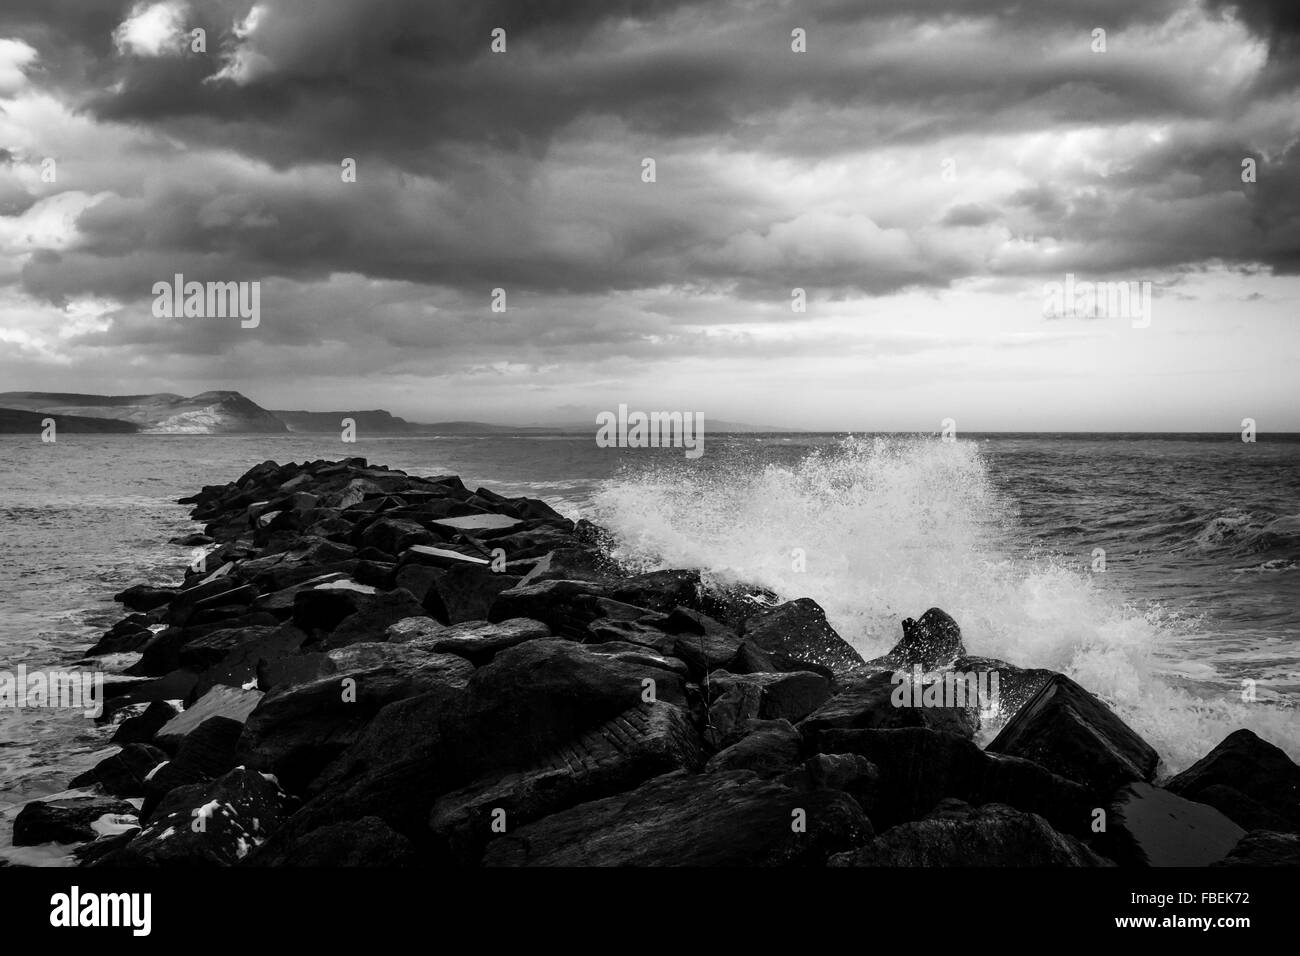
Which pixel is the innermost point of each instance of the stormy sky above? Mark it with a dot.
(922, 170)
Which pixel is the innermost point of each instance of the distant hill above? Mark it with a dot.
(14, 421)
(368, 422)
(210, 413)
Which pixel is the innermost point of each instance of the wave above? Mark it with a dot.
(879, 529)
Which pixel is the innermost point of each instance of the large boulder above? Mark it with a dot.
(919, 767)
(1070, 732)
(797, 634)
(1264, 848)
(767, 747)
(642, 742)
(368, 842)
(931, 642)
(876, 701)
(294, 732)
(1251, 767)
(960, 835)
(123, 774)
(728, 818)
(66, 819)
(208, 824)
(233, 703)
(538, 694)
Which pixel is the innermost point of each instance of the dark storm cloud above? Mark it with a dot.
(522, 170)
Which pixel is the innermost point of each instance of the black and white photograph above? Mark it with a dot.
(852, 438)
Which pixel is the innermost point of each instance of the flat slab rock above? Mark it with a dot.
(729, 818)
(235, 703)
(1148, 826)
(477, 523)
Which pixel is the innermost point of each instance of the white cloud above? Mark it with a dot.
(152, 29)
(14, 56)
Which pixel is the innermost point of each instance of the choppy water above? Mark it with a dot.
(1201, 588)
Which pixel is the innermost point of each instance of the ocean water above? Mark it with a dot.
(1200, 590)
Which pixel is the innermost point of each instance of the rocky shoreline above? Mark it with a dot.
(376, 669)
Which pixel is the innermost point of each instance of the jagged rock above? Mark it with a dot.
(1147, 826)
(65, 820)
(207, 824)
(126, 636)
(731, 712)
(788, 695)
(919, 767)
(143, 597)
(372, 619)
(468, 591)
(871, 701)
(991, 835)
(393, 536)
(797, 634)
(1016, 685)
(354, 843)
(174, 685)
(768, 748)
(246, 663)
(1247, 812)
(296, 731)
(141, 728)
(123, 773)
(537, 694)
(728, 818)
(1264, 848)
(1072, 733)
(642, 742)
(854, 774)
(931, 642)
(1250, 766)
(212, 648)
(206, 753)
(566, 607)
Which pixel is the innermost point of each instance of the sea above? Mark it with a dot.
(1161, 571)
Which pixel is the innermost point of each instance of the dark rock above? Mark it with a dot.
(1251, 766)
(536, 695)
(919, 767)
(1264, 848)
(768, 747)
(142, 727)
(991, 835)
(854, 774)
(566, 607)
(206, 753)
(295, 732)
(123, 773)
(931, 642)
(642, 742)
(728, 818)
(207, 824)
(788, 695)
(143, 597)
(1147, 826)
(1247, 812)
(66, 820)
(731, 712)
(233, 703)
(368, 842)
(373, 618)
(796, 633)
(1072, 733)
(191, 540)
(476, 641)
(872, 701)
(468, 591)
(212, 648)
